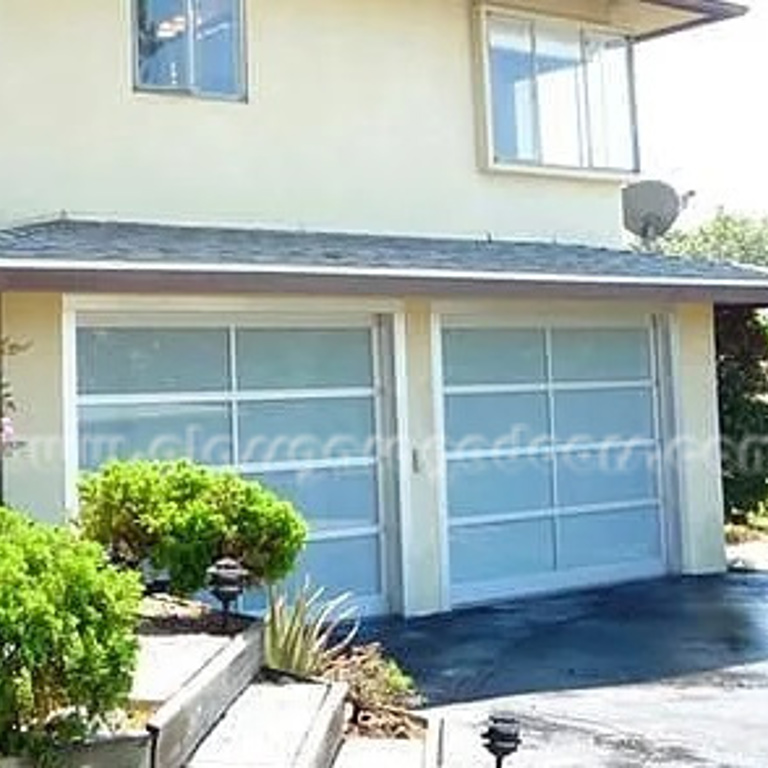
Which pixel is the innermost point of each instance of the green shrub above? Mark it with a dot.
(181, 517)
(68, 643)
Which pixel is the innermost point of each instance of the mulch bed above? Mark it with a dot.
(168, 615)
(374, 709)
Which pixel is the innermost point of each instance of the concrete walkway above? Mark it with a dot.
(667, 673)
(749, 556)
(378, 753)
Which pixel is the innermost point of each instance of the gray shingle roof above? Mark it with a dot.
(87, 246)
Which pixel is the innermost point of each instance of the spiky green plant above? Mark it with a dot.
(303, 635)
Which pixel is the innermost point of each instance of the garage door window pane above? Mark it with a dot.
(499, 486)
(604, 477)
(483, 422)
(136, 360)
(199, 432)
(342, 565)
(595, 354)
(493, 356)
(306, 430)
(598, 415)
(303, 359)
(335, 498)
(609, 538)
(345, 565)
(497, 552)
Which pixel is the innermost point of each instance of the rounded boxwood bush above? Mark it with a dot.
(68, 644)
(181, 517)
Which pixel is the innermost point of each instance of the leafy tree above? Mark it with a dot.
(742, 360)
(727, 236)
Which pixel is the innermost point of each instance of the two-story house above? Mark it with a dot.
(370, 253)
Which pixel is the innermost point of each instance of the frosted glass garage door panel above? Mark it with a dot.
(500, 356)
(499, 486)
(594, 354)
(329, 498)
(603, 477)
(201, 432)
(599, 415)
(342, 565)
(498, 552)
(484, 422)
(304, 359)
(612, 538)
(142, 360)
(305, 429)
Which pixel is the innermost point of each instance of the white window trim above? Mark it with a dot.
(191, 91)
(488, 161)
(197, 309)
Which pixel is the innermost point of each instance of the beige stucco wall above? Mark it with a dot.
(700, 491)
(360, 117)
(33, 476)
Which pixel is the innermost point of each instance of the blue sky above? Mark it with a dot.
(703, 103)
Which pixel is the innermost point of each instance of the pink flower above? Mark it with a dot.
(6, 430)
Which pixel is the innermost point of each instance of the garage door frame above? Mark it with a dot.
(535, 316)
(258, 312)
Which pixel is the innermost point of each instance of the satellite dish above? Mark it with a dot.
(650, 209)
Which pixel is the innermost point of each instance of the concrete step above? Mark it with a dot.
(297, 725)
(184, 720)
(380, 753)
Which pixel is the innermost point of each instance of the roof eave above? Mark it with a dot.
(151, 279)
(709, 12)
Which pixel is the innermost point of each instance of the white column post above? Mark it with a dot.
(697, 440)
(423, 532)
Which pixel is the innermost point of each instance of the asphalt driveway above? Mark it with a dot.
(664, 673)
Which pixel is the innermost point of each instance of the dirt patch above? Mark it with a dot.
(168, 615)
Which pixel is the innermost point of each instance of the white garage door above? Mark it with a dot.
(297, 407)
(551, 444)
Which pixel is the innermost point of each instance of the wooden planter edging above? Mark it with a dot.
(321, 743)
(125, 750)
(179, 726)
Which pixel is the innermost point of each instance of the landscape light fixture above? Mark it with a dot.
(502, 736)
(226, 581)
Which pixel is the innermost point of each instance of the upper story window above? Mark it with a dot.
(190, 46)
(558, 95)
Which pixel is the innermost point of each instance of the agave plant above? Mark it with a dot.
(304, 635)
